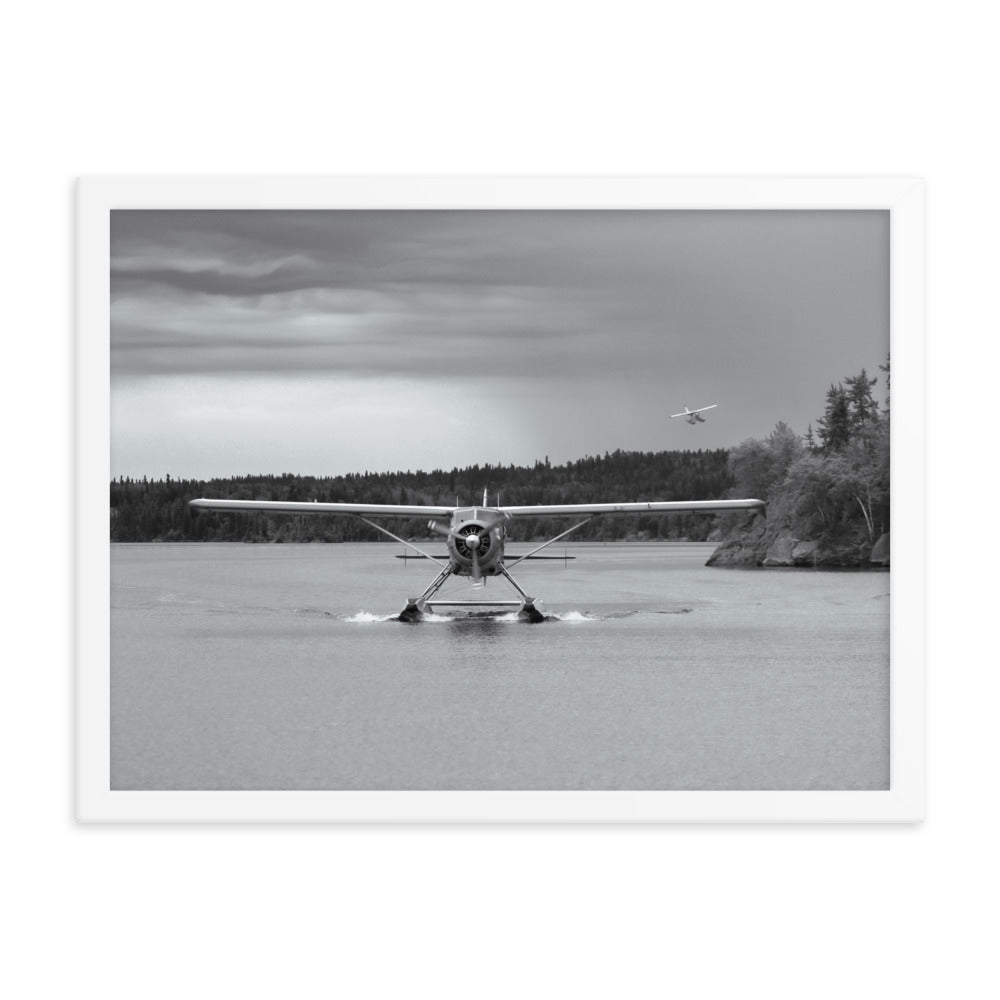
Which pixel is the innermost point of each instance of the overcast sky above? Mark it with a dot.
(338, 341)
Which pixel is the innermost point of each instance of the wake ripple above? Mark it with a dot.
(573, 617)
(505, 618)
(366, 618)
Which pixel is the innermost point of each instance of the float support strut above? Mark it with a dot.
(529, 609)
(415, 605)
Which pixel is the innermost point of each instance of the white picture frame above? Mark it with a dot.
(903, 801)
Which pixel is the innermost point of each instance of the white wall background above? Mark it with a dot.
(553, 88)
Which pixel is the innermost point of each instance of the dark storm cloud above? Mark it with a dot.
(487, 293)
(287, 277)
(255, 253)
(333, 341)
(354, 295)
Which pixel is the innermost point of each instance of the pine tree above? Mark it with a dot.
(835, 425)
(863, 407)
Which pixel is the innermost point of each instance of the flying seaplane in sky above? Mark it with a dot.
(475, 536)
(694, 416)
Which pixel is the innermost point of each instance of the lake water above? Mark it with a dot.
(280, 667)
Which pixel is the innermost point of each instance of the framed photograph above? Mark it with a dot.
(558, 500)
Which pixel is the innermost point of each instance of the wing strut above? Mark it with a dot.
(402, 541)
(551, 540)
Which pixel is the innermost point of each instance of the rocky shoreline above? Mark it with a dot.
(760, 545)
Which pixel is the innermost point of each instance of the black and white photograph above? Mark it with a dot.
(496, 500)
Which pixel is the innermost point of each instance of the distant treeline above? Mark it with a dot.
(157, 510)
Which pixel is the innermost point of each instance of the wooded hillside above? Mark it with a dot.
(827, 493)
(157, 510)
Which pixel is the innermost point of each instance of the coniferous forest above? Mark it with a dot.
(157, 510)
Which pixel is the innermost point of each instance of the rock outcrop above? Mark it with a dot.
(880, 551)
(780, 552)
(779, 541)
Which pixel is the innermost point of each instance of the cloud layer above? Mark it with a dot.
(747, 304)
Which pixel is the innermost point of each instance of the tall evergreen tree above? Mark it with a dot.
(862, 404)
(834, 427)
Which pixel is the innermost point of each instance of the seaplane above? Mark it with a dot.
(475, 537)
(694, 416)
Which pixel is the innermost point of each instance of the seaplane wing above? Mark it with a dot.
(645, 507)
(543, 510)
(687, 412)
(300, 507)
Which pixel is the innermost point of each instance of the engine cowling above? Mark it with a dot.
(475, 541)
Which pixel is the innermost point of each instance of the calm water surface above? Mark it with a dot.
(279, 667)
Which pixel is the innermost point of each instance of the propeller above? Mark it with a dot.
(500, 519)
(473, 538)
